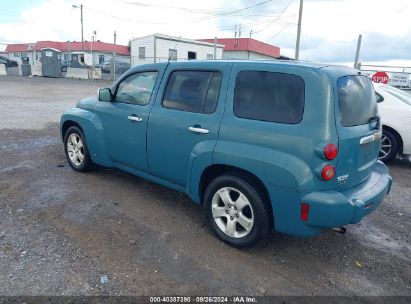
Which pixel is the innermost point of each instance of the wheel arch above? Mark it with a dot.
(68, 124)
(215, 170)
(92, 129)
(397, 135)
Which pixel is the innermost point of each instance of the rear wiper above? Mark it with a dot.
(377, 121)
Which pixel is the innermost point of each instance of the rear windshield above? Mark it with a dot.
(357, 100)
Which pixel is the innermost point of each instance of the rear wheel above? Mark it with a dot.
(389, 146)
(235, 211)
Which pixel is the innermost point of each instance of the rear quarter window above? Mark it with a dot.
(357, 100)
(269, 96)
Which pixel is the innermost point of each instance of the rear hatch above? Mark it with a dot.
(359, 131)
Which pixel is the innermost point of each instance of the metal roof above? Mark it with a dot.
(247, 44)
(74, 46)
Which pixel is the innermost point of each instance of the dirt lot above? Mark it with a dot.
(62, 232)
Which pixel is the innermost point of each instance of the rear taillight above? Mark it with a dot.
(330, 151)
(305, 209)
(328, 172)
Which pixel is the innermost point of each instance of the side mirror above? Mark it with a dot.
(379, 98)
(105, 95)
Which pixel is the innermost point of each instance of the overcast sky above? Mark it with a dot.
(330, 28)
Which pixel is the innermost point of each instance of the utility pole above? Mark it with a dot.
(114, 57)
(91, 50)
(297, 44)
(82, 32)
(215, 48)
(69, 53)
(357, 53)
(81, 19)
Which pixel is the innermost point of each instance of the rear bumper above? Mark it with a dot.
(332, 208)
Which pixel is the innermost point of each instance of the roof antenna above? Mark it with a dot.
(169, 55)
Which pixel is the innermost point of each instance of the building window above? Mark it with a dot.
(210, 57)
(23, 54)
(142, 52)
(16, 54)
(172, 55)
(66, 57)
(100, 59)
(191, 55)
(267, 96)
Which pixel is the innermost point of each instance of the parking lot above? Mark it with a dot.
(107, 232)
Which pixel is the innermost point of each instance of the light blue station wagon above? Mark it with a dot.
(285, 146)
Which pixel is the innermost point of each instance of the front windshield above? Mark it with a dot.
(402, 95)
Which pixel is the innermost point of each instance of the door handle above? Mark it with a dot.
(198, 130)
(134, 118)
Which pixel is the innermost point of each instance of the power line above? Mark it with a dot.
(191, 10)
(275, 19)
(256, 23)
(280, 31)
(213, 13)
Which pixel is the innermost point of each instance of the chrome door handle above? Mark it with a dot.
(198, 130)
(134, 118)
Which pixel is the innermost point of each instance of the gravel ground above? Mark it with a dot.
(109, 233)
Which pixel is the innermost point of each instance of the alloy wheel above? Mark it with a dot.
(75, 149)
(232, 212)
(386, 146)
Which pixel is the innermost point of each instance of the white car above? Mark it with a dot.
(395, 111)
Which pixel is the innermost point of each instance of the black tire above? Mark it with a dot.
(388, 138)
(262, 224)
(86, 163)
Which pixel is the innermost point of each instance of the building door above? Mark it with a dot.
(100, 59)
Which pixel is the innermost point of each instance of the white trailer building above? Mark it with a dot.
(160, 48)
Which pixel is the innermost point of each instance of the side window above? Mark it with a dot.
(193, 91)
(137, 88)
(268, 96)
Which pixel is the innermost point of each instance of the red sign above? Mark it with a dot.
(380, 77)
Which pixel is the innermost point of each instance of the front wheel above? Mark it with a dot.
(236, 212)
(76, 151)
